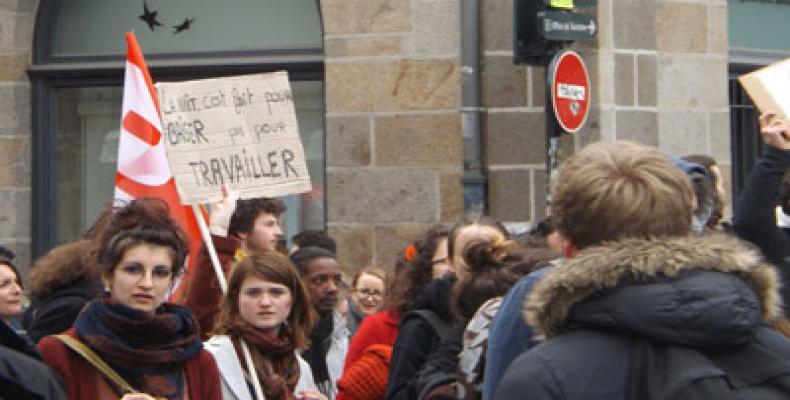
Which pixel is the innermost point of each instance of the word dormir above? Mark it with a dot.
(244, 167)
(238, 99)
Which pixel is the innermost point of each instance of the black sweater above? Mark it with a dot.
(754, 217)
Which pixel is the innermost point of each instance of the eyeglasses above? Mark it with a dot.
(445, 260)
(365, 292)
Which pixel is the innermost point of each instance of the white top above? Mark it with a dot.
(336, 355)
(234, 386)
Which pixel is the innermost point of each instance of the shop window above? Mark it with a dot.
(77, 75)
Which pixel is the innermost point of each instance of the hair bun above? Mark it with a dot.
(482, 252)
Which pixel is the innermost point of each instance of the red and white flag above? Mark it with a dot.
(142, 169)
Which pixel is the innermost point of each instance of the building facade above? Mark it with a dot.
(411, 111)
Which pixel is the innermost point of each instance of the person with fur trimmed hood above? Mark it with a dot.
(61, 283)
(640, 309)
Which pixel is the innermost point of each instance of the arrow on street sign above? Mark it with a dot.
(566, 26)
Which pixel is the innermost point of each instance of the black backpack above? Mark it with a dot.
(758, 370)
(441, 367)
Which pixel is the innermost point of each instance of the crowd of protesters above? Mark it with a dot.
(635, 287)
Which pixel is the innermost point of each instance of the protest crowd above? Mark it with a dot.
(633, 288)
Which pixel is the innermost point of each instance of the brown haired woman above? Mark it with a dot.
(268, 306)
(154, 346)
(493, 266)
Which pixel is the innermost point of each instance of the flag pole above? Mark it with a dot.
(223, 286)
(212, 252)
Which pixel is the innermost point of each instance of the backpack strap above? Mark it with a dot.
(440, 326)
(94, 359)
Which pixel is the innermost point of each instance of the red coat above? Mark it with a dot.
(84, 382)
(379, 328)
(203, 295)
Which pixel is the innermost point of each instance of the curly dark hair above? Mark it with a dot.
(63, 266)
(303, 257)
(145, 220)
(410, 277)
(315, 238)
(243, 219)
(495, 265)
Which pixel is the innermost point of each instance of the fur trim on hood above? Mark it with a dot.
(63, 266)
(603, 267)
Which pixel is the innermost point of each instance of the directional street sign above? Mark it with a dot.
(566, 26)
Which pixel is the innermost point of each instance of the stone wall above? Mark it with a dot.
(394, 149)
(514, 129)
(658, 72)
(669, 58)
(16, 38)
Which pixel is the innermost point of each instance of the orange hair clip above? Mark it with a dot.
(409, 252)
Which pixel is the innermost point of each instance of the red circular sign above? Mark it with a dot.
(570, 90)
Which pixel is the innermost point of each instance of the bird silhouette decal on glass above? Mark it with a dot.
(184, 25)
(149, 17)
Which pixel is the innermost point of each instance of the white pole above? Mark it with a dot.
(223, 285)
(212, 252)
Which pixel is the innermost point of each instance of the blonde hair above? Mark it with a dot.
(613, 190)
(372, 271)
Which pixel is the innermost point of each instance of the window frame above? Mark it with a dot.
(48, 73)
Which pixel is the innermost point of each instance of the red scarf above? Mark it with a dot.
(275, 359)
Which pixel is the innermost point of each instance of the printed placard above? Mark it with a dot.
(240, 131)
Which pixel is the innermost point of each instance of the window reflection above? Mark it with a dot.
(88, 121)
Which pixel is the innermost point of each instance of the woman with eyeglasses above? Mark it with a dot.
(367, 297)
(153, 346)
(367, 363)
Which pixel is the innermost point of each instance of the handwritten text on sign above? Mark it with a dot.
(240, 131)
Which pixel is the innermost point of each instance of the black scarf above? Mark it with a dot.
(315, 355)
(148, 350)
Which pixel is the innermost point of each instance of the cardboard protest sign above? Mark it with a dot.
(769, 88)
(240, 131)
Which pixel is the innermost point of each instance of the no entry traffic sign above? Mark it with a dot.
(570, 90)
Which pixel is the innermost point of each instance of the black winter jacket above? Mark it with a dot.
(646, 319)
(22, 375)
(417, 341)
(754, 217)
(57, 311)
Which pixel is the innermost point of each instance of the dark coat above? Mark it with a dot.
(22, 375)
(353, 319)
(203, 296)
(641, 319)
(61, 283)
(416, 341)
(56, 312)
(754, 217)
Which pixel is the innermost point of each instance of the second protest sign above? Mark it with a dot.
(240, 131)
